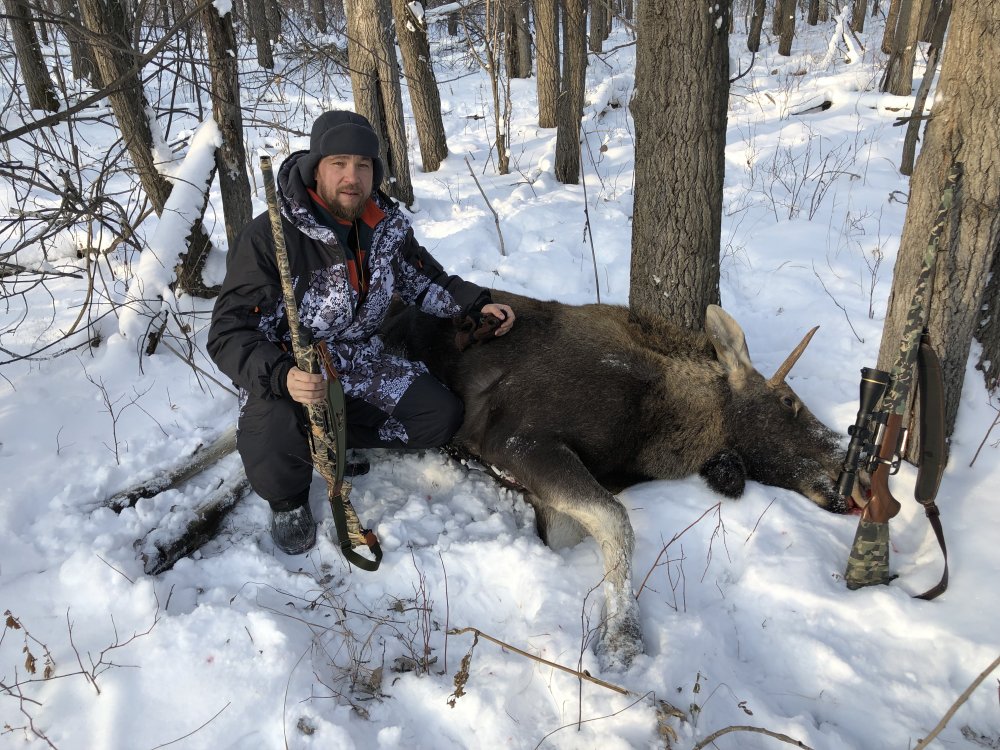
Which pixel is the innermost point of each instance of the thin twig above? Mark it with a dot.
(595, 718)
(996, 421)
(957, 704)
(844, 309)
(190, 362)
(195, 731)
(728, 730)
(676, 536)
(496, 217)
(582, 675)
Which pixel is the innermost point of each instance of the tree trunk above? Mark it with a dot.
(812, 17)
(272, 12)
(81, 56)
(570, 107)
(38, 85)
(547, 61)
(425, 98)
(230, 157)
(858, 13)
(524, 38)
(600, 24)
(936, 20)
(257, 23)
(318, 9)
(756, 25)
(517, 39)
(377, 96)
(824, 11)
(963, 129)
(988, 331)
(682, 58)
(920, 100)
(898, 77)
(111, 28)
(786, 9)
(112, 46)
(891, 20)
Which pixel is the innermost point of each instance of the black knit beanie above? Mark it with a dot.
(340, 132)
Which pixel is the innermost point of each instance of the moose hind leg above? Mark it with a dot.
(566, 497)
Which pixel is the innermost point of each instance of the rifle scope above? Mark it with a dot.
(873, 386)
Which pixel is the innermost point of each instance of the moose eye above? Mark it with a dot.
(788, 402)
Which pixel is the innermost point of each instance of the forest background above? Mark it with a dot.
(775, 154)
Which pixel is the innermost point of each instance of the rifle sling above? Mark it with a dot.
(932, 448)
(337, 409)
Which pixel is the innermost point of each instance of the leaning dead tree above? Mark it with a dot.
(111, 25)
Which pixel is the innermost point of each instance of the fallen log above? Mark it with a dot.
(197, 462)
(191, 528)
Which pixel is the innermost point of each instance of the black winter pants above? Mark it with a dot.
(271, 436)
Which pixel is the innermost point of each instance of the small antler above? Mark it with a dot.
(781, 373)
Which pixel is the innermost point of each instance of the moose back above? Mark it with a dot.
(577, 398)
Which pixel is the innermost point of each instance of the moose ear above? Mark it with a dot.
(728, 339)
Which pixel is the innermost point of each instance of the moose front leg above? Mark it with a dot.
(561, 489)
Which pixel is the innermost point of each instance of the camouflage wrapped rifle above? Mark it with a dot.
(327, 421)
(877, 434)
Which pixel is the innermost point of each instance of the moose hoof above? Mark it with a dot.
(619, 644)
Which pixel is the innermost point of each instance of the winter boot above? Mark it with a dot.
(293, 531)
(355, 464)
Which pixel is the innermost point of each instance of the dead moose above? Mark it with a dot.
(577, 397)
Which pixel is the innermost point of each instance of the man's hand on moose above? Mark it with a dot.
(504, 312)
(305, 387)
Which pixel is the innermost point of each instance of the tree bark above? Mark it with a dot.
(318, 8)
(547, 61)
(257, 23)
(570, 106)
(920, 100)
(756, 25)
(988, 331)
(517, 39)
(37, 84)
(600, 24)
(786, 11)
(230, 157)
(377, 95)
(813, 15)
(523, 38)
(898, 77)
(111, 27)
(425, 98)
(963, 128)
(682, 60)
(858, 13)
(80, 54)
(891, 21)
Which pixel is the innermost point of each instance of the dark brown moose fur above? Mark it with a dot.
(578, 397)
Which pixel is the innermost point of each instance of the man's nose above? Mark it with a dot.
(352, 173)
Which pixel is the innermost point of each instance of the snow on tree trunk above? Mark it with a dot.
(150, 287)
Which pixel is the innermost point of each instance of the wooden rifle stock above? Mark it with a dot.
(883, 505)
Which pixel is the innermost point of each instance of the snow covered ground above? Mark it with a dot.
(745, 616)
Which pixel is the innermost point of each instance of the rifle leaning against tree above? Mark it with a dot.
(877, 435)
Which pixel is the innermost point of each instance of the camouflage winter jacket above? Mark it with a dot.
(249, 338)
